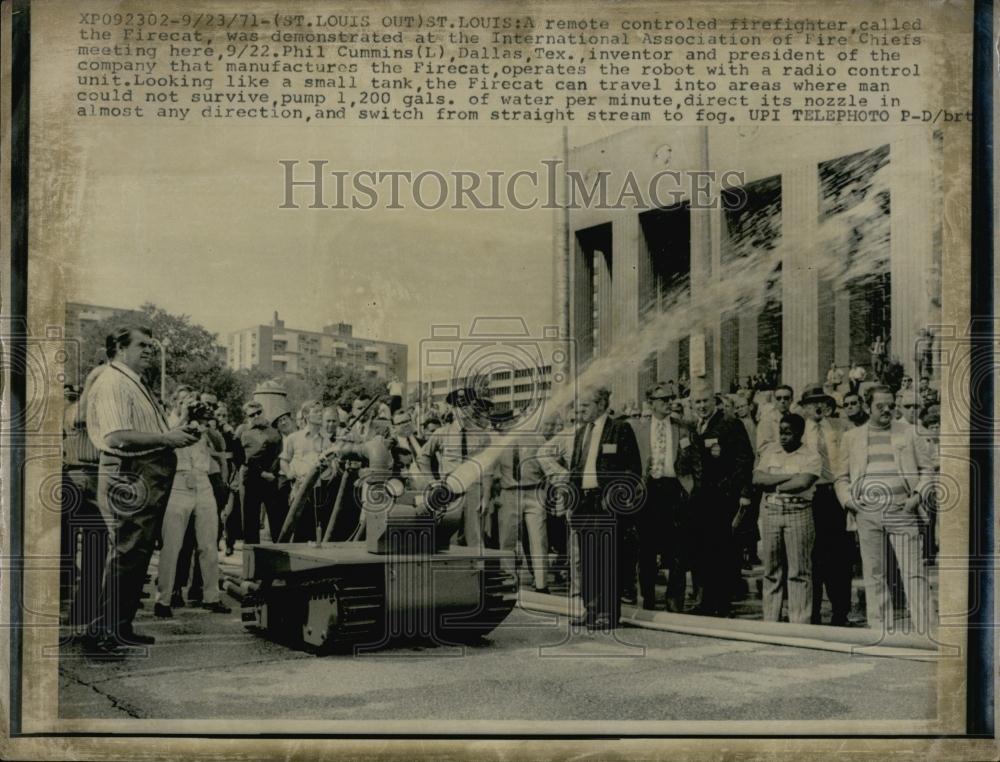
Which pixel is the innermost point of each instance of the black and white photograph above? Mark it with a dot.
(604, 379)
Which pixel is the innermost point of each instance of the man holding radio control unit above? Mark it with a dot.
(137, 466)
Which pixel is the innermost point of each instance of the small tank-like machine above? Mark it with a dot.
(403, 581)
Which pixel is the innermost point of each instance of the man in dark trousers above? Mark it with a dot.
(725, 495)
(671, 469)
(137, 464)
(606, 472)
(260, 445)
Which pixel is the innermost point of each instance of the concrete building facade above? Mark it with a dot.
(512, 388)
(274, 348)
(846, 221)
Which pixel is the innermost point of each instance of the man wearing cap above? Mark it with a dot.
(260, 445)
(457, 443)
(882, 477)
(671, 470)
(606, 470)
(724, 497)
(137, 464)
(833, 548)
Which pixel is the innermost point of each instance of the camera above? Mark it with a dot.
(199, 412)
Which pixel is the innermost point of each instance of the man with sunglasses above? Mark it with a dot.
(907, 408)
(832, 548)
(260, 445)
(881, 478)
(854, 410)
(770, 418)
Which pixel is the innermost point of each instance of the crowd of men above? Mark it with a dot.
(694, 485)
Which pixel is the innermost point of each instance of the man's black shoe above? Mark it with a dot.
(216, 607)
(629, 599)
(177, 600)
(103, 647)
(134, 638)
(163, 612)
(542, 590)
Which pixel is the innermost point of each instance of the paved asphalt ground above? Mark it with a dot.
(206, 666)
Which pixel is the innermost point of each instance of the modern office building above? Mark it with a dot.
(274, 348)
(832, 241)
(510, 388)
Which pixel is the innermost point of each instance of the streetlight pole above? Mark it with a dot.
(163, 344)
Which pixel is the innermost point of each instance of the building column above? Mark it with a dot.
(911, 241)
(842, 327)
(626, 243)
(800, 329)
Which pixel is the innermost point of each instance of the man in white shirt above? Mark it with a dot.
(786, 472)
(882, 477)
(671, 467)
(606, 470)
(834, 547)
(137, 464)
(301, 449)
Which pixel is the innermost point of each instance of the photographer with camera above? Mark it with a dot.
(191, 495)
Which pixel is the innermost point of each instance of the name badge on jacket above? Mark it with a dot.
(609, 449)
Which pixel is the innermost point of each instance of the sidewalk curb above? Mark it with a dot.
(859, 641)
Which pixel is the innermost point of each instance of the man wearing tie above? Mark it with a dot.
(605, 471)
(727, 470)
(453, 445)
(402, 428)
(671, 469)
(521, 473)
(833, 548)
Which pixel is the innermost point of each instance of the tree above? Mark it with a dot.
(192, 355)
(187, 343)
(340, 384)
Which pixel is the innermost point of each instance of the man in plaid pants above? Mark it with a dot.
(787, 472)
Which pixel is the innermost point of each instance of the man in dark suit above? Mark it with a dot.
(725, 495)
(605, 471)
(671, 471)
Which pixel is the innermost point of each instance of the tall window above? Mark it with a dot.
(854, 219)
(751, 231)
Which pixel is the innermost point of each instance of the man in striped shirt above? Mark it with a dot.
(881, 478)
(137, 465)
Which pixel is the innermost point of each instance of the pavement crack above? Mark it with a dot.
(115, 703)
(193, 668)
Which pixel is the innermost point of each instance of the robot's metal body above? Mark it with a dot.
(403, 581)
